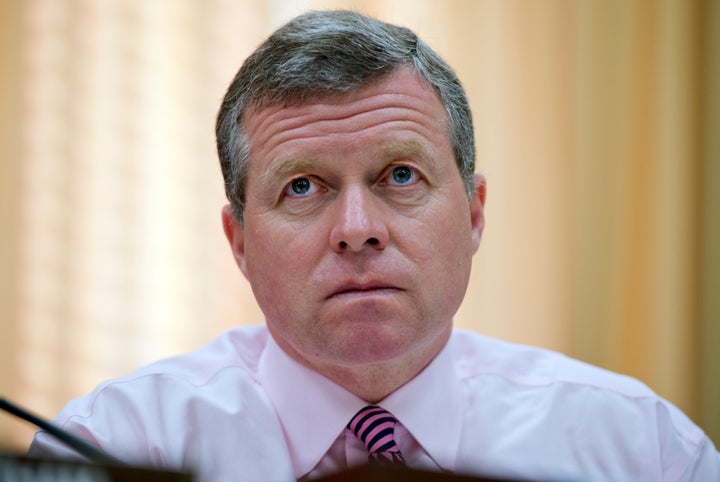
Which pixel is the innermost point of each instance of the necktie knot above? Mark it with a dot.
(375, 427)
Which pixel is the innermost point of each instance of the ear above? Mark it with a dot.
(235, 236)
(477, 210)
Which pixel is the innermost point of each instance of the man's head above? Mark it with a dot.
(357, 227)
(327, 53)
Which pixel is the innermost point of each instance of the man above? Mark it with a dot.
(347, 150)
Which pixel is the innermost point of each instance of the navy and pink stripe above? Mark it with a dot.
(375, 427)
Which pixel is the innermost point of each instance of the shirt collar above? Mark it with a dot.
(430, 407)
(301, 397)
(435, 391)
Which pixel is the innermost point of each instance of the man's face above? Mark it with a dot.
(358, 233)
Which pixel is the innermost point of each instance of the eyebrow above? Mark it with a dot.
(280, 168)
(410, 148)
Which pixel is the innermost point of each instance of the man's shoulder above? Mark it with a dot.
(481, 356)
(237, 349)
(231, 359)
(571, 385)
(585, 413)
(173, 409)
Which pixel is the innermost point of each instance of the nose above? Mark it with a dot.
(358, 222)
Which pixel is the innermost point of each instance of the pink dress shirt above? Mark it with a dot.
(241, 409)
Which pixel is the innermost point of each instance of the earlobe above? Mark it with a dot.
(235, 236)
(477, 210)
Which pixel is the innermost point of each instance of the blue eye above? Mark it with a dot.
(402, 175)
(300, 187)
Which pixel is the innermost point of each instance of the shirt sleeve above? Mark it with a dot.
(705, 466)
(122, 418)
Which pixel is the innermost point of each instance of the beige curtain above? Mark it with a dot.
(596, 124)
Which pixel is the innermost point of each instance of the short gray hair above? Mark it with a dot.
(325, 53)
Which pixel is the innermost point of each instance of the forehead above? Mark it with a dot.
(400, 105)
(402, 80)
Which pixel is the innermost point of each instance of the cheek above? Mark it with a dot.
(278, 261)
(448, 235)
(449, 252)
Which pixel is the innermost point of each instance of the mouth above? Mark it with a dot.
(356, 290)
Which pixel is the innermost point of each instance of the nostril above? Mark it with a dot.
(370, 241)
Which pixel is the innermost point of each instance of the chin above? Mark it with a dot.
(374, 346)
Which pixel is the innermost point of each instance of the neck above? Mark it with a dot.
(374, 381)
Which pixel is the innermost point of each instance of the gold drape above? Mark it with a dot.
(596, 124)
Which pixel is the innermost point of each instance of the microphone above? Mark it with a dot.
(82, 447)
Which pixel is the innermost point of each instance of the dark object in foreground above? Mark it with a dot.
(378, 473)
(14, 468)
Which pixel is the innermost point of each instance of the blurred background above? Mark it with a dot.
(597, 123)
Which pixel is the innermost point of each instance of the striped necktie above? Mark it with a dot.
(375, 427)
